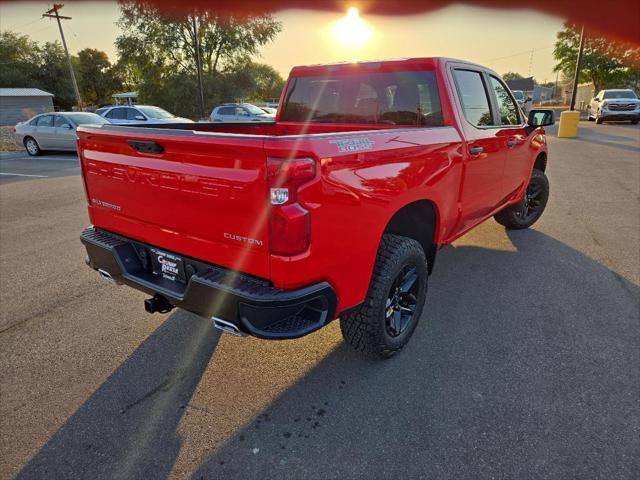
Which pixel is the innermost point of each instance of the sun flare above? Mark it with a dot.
(351, 31)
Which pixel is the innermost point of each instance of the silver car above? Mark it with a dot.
(240, 112)
(53, 131)
(138, 114)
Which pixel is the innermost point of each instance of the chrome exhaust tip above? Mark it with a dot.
(106, 275)
(227, 327)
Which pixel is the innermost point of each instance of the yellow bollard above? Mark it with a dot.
(568, 126)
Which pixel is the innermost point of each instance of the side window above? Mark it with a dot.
(227, 111)
(115, 113)
(60, 121)
(507, 108)
(45, 121)
(132, 113)
(34, 121)
(473, 97)
(241, 112)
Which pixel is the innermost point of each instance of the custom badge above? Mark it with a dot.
(353, 144)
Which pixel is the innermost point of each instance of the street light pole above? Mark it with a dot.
(577, 72)
(198, 63)
(53, 13)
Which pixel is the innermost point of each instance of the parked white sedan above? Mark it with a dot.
(139, 114)
(53, 131)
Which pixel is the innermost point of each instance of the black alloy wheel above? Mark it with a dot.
(532, 203)
(401, 301)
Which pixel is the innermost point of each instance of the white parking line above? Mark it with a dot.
(23, 175)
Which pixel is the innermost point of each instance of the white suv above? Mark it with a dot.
(240, 112)
(616, 104)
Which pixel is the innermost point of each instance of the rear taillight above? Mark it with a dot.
(289, 223)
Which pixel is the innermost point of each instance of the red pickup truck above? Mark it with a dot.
(336, 209)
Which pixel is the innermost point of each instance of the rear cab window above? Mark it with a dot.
(383, 98)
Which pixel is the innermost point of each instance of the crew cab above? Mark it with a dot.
(335, 210)
(616, 105)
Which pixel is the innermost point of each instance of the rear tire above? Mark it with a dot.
(634, 122)
(387, 318)
(32, 146)
(527, 212)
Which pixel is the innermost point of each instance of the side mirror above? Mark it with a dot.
(540, 118)
(140, 117)
(66, 125)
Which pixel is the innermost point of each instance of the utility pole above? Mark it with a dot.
(198, 63)
(53, 13)
(577, 73)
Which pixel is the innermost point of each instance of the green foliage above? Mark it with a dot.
(26, 63)
(98, 78)
(512, 76)
(157, 57)
(606, 63)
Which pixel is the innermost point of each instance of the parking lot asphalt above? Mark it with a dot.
(19, 166)
(525, 364)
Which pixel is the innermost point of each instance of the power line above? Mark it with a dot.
(27, 24)
(517, 54)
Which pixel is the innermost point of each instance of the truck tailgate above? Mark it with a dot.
(196, 194)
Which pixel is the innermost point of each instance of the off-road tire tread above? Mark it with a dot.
(359, 328)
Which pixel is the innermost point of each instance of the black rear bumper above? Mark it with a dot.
(253, 305)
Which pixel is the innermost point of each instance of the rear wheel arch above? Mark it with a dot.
(417, 220)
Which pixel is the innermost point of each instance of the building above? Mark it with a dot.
(18, 104)
(537, 93)
(542, 94)
(126, 98)
(525, 84)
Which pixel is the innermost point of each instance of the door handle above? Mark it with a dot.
(512, 142)
(144, 146)
(475, 150)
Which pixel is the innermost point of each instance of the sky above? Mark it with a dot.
(505, 40)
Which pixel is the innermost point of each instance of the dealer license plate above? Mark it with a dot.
(168, 265)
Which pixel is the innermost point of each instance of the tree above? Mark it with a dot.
(157, 52)
(606, 63)
(19, 60)
(26, 63)
(99, 79)
(512, 76)
(254, 81)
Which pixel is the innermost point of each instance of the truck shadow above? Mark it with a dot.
(525, 364)
(127, 428)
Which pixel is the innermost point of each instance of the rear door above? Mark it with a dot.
(485, 149)
(201, 195)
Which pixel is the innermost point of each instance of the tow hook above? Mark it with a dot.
(157, 304)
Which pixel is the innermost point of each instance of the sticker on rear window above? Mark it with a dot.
(353, 144)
